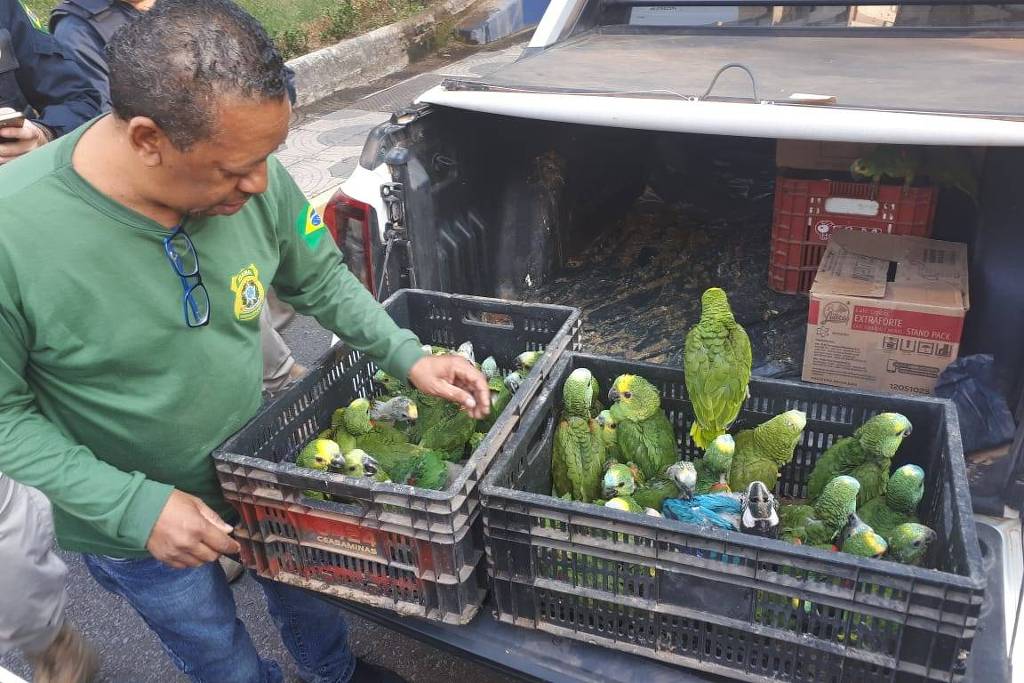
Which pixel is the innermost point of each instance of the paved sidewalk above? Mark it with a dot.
(326, 138)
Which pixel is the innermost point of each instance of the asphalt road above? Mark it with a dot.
(132, 654)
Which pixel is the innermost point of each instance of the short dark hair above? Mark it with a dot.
(173, 62)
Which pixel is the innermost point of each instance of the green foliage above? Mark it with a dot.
(300, 26)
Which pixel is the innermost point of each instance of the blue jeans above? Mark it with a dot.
(192, 611)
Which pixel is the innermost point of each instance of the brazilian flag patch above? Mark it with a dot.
(310, 226)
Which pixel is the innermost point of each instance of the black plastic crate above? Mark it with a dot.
(725, 602)
(379, 537)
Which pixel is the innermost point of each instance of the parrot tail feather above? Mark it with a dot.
(703, 437)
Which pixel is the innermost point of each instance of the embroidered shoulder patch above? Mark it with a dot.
(249, 293)
(310, 226)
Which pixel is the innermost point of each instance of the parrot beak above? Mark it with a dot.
(370, 466)
(613, 394)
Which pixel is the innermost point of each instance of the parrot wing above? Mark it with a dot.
(716, 381)
(832, 463)
(874, 480)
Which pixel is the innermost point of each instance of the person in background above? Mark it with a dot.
(42, 82)
(40, 79)
(133, 270)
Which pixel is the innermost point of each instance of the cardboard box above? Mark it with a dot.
(886, 312)
(816, 155)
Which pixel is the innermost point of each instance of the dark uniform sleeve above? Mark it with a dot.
(87, 45)
(48, 75)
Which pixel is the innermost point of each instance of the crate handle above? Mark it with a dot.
(852, 207)
(473, 319)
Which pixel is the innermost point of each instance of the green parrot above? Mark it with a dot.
(466, 351)
(626, 504)
(526, 360)
(619, 480)
(610, 434)
(899, 503)
(820, 523)
(578, 455)
(713, 468)
(447, 430)
(909, 542)
(866, 456)
(356, 463)
(860, 539)
(404, 463)
(888, 161)
(500, 394)
(717, 361)
(644, 434)
(763, 450)
(952, 167)
(318, 455)
(627, 480)
(514, 380)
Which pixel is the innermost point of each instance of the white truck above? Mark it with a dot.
(626, 161)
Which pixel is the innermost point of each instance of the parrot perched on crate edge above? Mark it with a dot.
(898, 505)
(762, 451)
(820, 523)
(578, 455)
(713, 468)
(716, 363)
(909, 543)
(644, 434)
(721, 510)
(866, 456)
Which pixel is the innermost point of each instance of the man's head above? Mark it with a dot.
(198, 90)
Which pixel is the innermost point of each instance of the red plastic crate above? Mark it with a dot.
(422, 574)
(808, 212)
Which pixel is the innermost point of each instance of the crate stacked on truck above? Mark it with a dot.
(816, 196)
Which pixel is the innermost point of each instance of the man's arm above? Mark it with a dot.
(313, 278)
(122, 505)
(49, 76)
(177, 528)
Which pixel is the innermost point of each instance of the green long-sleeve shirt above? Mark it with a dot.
(107, 398)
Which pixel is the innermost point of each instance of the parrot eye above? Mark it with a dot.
(627, 394)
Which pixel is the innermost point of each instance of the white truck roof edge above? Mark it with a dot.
(553, 25)
(742, 119)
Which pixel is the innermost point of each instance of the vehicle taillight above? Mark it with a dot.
(349, 223)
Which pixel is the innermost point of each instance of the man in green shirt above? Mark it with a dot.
(135, 254)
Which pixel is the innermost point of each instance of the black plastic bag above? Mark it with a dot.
(985, 418)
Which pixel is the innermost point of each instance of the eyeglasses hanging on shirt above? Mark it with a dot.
(181, 252)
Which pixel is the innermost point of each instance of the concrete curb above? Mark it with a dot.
(359, 61)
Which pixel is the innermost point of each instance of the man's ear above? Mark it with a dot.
(147, 140)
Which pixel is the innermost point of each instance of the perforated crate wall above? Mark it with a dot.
(749, 608)
(257, 463)
(808, 212)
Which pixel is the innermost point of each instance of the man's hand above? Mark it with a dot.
(15, 142)
(454, 378)
(188, 533)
